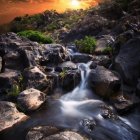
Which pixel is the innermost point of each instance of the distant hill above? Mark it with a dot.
(75, 24)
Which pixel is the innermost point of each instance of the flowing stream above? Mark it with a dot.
(80, 110)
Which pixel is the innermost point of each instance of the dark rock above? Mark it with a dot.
(80, 58)
(69, 79)
(138, 88)
(103, 81)
(122, 104)
(108, 112)
(35, 78)
(127, 62)
(93, 65)
(39, 132)
(9, 115)
(30, 99)
(53, 53)
(8, 80)
(13, 61)
(102, 60)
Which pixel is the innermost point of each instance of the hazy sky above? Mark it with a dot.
(9, 9)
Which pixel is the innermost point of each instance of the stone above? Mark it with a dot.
(102, 60)
(69, 79)
(102, 44)
(66, 135)
(9, 115)
(35, 78)
(80, 58)
(31, 99)
(40, 132)
(127, 62)
(103, 81)
(8, 80)
(0, 64)
(122, 104)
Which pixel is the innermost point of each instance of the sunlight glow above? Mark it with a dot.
(75, 3)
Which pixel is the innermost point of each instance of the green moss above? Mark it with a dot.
(36, 36)
(63, 74)
(86, 45)
(14, 91)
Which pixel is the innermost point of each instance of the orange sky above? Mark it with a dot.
(9, 9)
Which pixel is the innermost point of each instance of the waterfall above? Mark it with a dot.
(81, 92)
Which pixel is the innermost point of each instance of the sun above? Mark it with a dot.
(75, 3)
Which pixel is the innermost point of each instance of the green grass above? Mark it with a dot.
(36, 36)
(86, 45)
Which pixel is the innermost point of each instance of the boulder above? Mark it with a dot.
(127, 62)
(103, 44)
(39, 132)
(9, 115)
(102, 60)
(35, 78)
(69, 79)
(80, 58)
(30, 99)
(66, 66)
(103, 81)
(66, 135)
(52, 54)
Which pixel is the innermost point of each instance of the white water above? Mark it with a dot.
(81, 92)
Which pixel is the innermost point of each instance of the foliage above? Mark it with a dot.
(86, 45)
(14, 91)
(36, 36)
(63, 74)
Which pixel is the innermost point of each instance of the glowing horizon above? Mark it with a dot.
(11, 9)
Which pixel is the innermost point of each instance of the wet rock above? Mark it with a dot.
(68, 66)
(88, 124)
(35, 78)
(30, 99)
(127, 62)
(80, 58)
(103, 81)
(39, 132)
(122, 104)
(102, 44)
(8, 80)
(9, 115)
(102, 60)
(108, 112)
(93, 65)
(69, 79)
(66, 135)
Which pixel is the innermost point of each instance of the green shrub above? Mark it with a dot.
(86, 45)
(36, 36)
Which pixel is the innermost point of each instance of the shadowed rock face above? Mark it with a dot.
(127, 62)
(103, 81)
(9, 115)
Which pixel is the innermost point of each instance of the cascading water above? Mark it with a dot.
(82, 111)
(81, 92)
